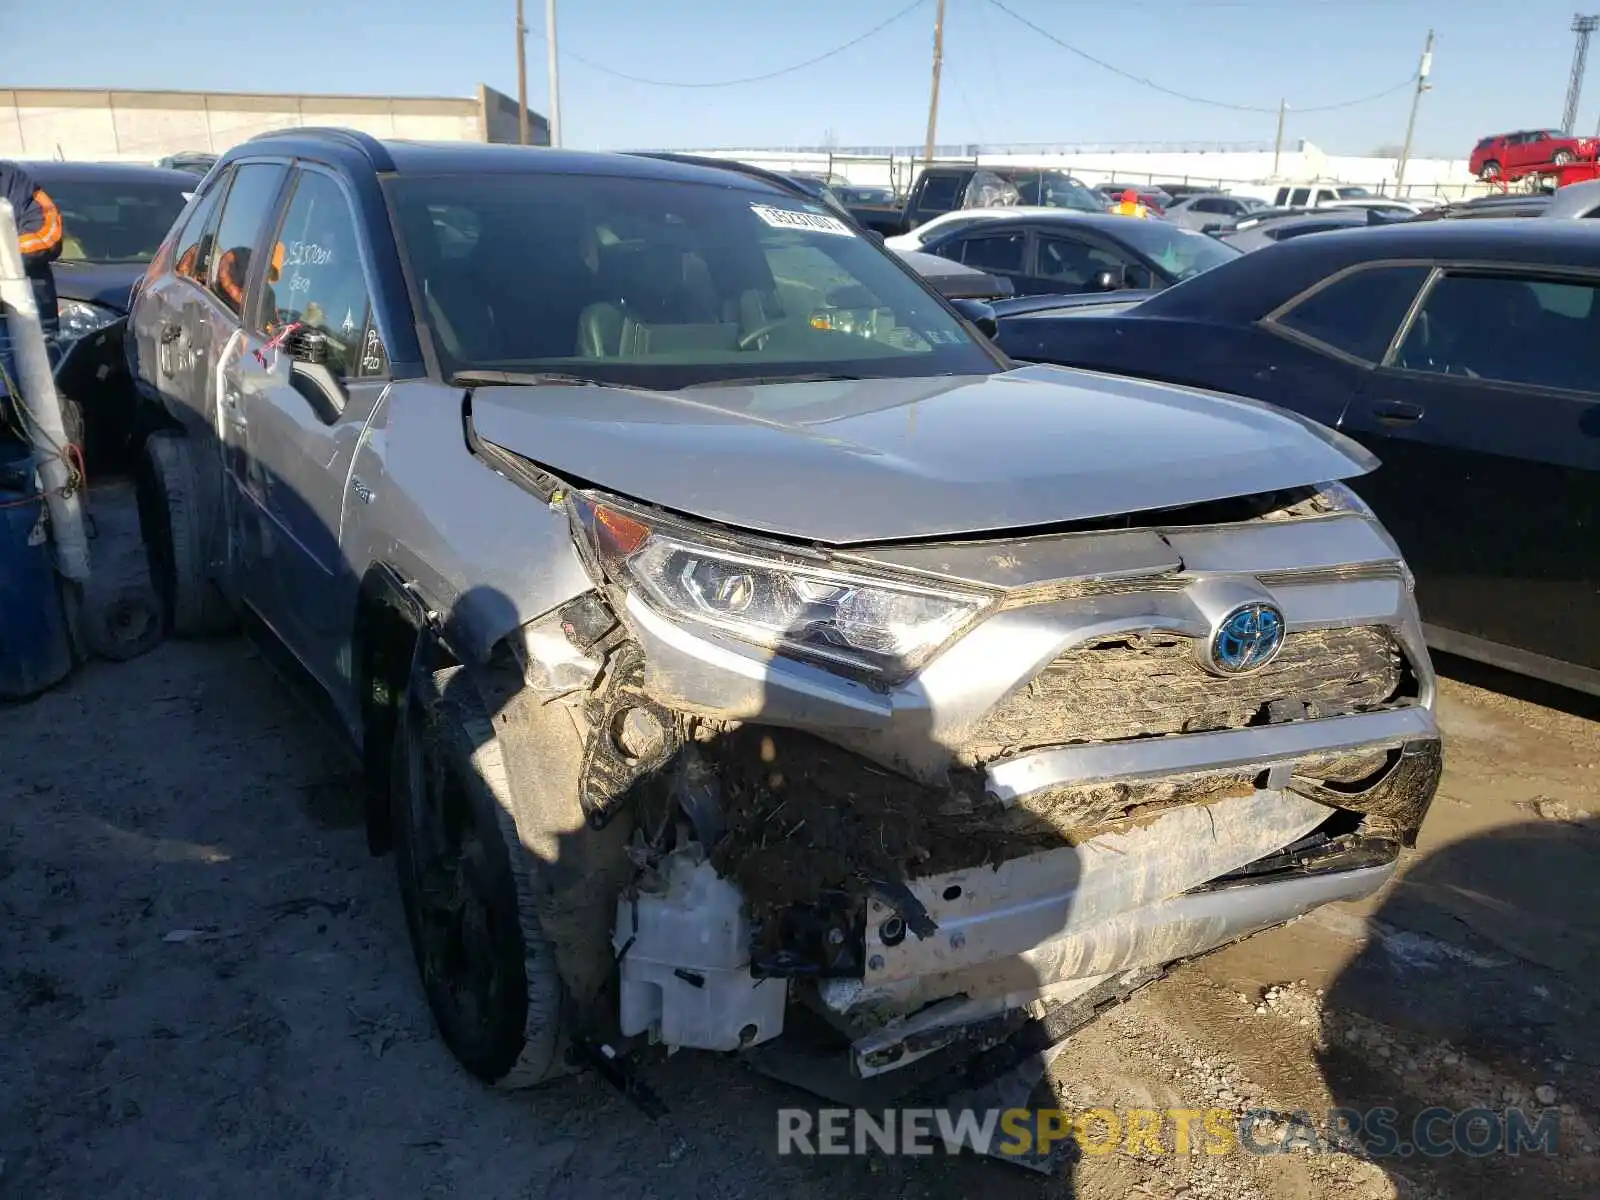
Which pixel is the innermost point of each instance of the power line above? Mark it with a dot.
(789, 70)
(1144, 81)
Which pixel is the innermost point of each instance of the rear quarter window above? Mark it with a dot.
(1357, 313)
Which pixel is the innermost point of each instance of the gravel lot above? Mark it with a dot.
(208, 990)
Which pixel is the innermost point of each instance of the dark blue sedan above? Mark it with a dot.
(1465, 354)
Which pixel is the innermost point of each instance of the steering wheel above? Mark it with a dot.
(756, 334)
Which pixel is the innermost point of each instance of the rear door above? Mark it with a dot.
(999, 252)
(308, 376)
(1337, 332)
(1522, 150)
(169, 332)
(1487, 417)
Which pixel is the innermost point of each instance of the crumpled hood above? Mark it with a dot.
(895, 459)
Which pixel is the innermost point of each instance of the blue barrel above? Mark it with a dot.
(35, 651)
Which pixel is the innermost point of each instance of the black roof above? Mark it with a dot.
(1260, 281)
(394, 155)
(48, 172)
(1109, 223)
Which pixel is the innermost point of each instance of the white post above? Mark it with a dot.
(40, 406)
(553, 60)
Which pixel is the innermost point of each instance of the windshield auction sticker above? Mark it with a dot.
(788, 218)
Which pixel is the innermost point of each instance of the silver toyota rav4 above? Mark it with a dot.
(727, 628)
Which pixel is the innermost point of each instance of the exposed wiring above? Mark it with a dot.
(1144, 81)
(21, 421)
(716, 83)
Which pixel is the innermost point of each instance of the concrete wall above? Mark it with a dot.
(113, 126)
(500, 120)
(1236, 169)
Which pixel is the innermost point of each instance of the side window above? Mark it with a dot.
(1076, 263)
(1210, 206)
(194, 243)
(939, 192)
(1358, 313)
(1067, 259)
(315, 279)
(1282, 197)
(1507, 329)
(996, 252)
(244, 217)
(1299, 197)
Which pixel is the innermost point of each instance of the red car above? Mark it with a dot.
(1506, 153)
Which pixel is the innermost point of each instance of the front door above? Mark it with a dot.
(1487, 418)
(1067, 263)
(306, 379)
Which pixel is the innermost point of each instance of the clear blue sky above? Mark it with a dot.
(1496, 65)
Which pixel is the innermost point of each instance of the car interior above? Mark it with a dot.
(621, 285)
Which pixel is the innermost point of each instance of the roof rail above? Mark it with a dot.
(377, 153)
(743, 168)
(724, 164)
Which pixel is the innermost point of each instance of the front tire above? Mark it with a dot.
(1562, 158)
(1491, 170)
(467, 884)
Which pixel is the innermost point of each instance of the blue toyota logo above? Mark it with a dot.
(1246, 639)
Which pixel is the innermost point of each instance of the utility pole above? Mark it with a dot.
(1277, 146)
(933, 101)
(522, 78)
(1411, 124)
(555, 76)
(1582, 26)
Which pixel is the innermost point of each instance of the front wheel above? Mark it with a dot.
(1491, 170)
(1562, 158)
(467, 884)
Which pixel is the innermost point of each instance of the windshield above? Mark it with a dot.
(1053, 189)
(1182, 253)
(112, 221)
(660, 284)
(1354, 193)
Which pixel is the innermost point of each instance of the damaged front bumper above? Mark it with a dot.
(1071, 794)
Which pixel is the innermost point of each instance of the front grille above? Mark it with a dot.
(1142, 685)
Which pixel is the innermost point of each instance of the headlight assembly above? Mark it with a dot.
(770, 597)
(79, 319)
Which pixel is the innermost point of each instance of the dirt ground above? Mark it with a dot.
(207, 990)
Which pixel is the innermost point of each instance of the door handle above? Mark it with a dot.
(1397, 412)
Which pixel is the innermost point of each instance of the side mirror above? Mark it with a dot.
(980, 314)
(1109, 280)
(307, 346)
(309, 374)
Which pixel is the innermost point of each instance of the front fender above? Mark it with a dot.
(482, 555)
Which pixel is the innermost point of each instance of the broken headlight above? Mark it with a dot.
(1340, 498)
(79, 318)
(771, 597)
